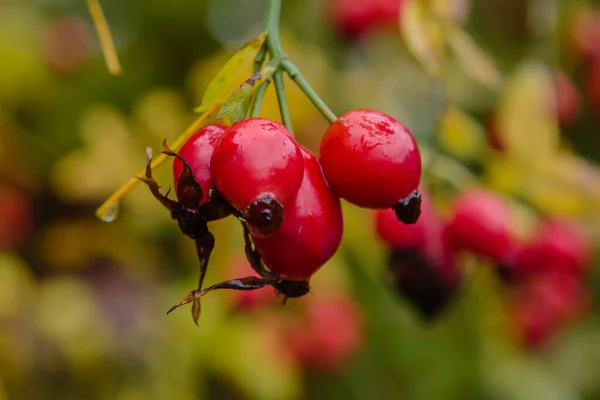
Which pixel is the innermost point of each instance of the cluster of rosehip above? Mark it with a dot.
(543, 275)
(286, 199)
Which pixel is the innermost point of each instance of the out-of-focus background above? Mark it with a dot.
(503, 97)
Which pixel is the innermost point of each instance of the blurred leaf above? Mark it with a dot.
(231, 75)
(252, 357)
(106, 41)
(16, 285)
(237, 104)
(473, 59)
(424, 36)
(524, 121)
(461, 135)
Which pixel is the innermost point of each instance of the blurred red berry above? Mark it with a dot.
(197, 152)
(327, 334)
(370, 159)
(247, 300)
(545, 303)
(311, 231)
(564, 102)
(557, 245)
(586, 33)
(408, 236)
(354, 18)
(16, 217)
(67, 44)
(480, 223)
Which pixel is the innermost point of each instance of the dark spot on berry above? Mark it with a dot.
(264, 216)
(291, 288)
(408, 210)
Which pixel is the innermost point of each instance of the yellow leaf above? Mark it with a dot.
(473, 59)
(461, 135)
(235, 107)
(231, 75)
(525, 124)
(109, 210)
(424, 36)
(106, 41)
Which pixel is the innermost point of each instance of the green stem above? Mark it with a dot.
(283, 106)
(260, 58)
(272, 29)
(297, 77)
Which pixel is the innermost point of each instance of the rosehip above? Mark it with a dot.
(258, 167)
(327, 334)
(557, 245)
(15, 217)
(197, 152)
(481, 223)
(421, 263)
(545, 303)
(311, 231)
(564, 101)
(370, 159)
(413, 236)
(356, 17)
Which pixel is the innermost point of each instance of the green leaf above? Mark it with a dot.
(473, 59)
(424, 36)
(525, 124)
(236, 106)
(231, 75)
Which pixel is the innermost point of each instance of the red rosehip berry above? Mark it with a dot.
(412, 236)
(370, 159)
(557, 245)
(564, 102)
(545, 303)
(258, 167)
(327, 334)
(481, 223)
(197, 152)
(311, 231)
(16, 218)
(586, 33)
(354, 18)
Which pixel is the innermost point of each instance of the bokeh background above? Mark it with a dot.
(500, 94)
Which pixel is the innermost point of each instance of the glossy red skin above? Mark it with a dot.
(565, 100)
(545, 303)
(256, 157)
(370, 159)
(557, 245)
(480, 223)
(354, 18)
(327, 334)
(197, 152)
(311, 231)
